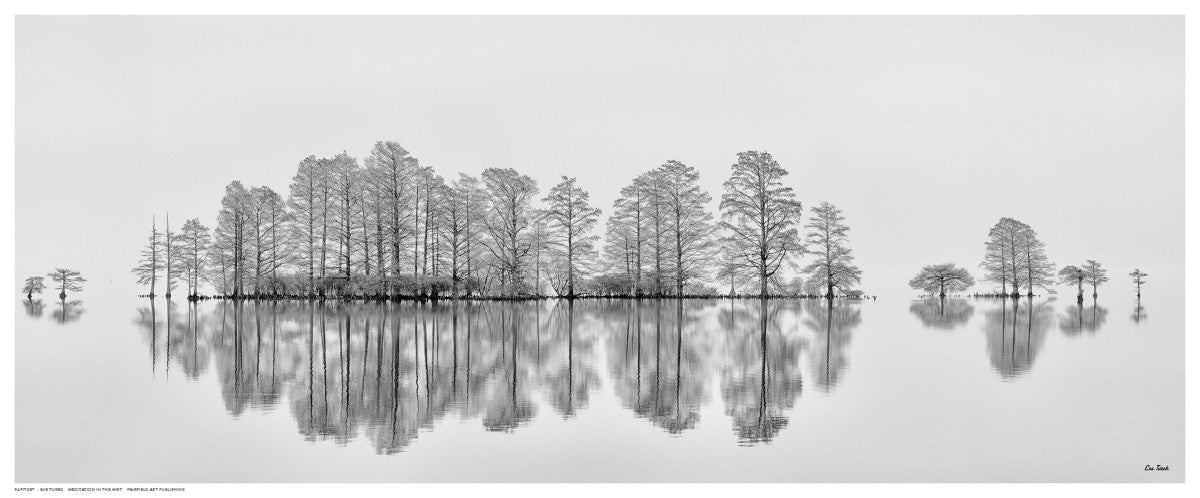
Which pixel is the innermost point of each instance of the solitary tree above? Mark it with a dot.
(1073, 275)
(1139, 278)
(151, 262)
(938, 279)
(33, 285)
(66, 280)
(760, 216)
(1094, 274)
(827, 240)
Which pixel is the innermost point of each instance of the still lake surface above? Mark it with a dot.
(125, 391)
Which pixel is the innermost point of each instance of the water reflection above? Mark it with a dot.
(388, 371)
(833, 322)
(1077, 319)
(67, 311)
(943, 313)
(33, 308)
(1139, 313)
(762, 379)
(1016, 332)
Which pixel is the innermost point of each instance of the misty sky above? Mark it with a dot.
(924, 131)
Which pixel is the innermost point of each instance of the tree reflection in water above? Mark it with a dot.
(1016, 332)
(1077, 319)
(387, 371)
(942, 313)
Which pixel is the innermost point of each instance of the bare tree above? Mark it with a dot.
(33, 285)
(171, 257)
(1094, 274)
(689, 221)
(230, 238)
(510, 196)
(66, 280)
(304, 198)
(760, 216)
(1073, 275)
(347, 193)
(572, 221)
(1014, 255)
(938, 279)
(827, 240)
(392, 167)
(149, 266)
(193, 242)
(1139, 278)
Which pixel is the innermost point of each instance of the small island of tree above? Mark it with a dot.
(938, 279)
(1094, 274)
(1139, 278)
(66, 280)
(33, 285)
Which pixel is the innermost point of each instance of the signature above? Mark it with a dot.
(1157, 467)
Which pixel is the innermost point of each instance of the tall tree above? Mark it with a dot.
(170, 257)
(510, 196)
(33, 285)
(1039, 271)
(572, 221)
(827, 239)
(230, 238)
(149, 266)
(1094, 274)
(66, 280)
(689, 221)
(347, 193)
(392, 167)
(1139, 278)
(1008, 243)
(194, 239)
(760, 216)
(305, 201)
(1073, 275)
(942, 278)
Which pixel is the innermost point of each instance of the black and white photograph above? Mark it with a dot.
(769, 248)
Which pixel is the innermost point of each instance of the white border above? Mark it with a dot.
(307, 7)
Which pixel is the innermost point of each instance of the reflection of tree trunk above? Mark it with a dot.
(763, 402)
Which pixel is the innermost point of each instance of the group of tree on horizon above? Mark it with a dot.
(392, 228)
(1016, 259)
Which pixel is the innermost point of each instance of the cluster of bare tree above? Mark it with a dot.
(391, 227)
(1016, 259)
(64, 280)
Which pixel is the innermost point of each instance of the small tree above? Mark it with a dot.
(66, 280)
(1072, 275)
(1139, 278)
(33, 285)
(937, 279)
(1094, 274)
(828, 241)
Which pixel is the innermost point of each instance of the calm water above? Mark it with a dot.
(721, 390)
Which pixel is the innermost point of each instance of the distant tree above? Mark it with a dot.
(1139, 278)
(1073, 275)
(66, 280)
(152, 259)
(689, 222)
(170, 258)
(572, 221)
(1015, 256)
(1094, 274)
(760, 216)
(510, 196)
(942, 278)
(827, 240)
(193, 242)
(33, 285)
